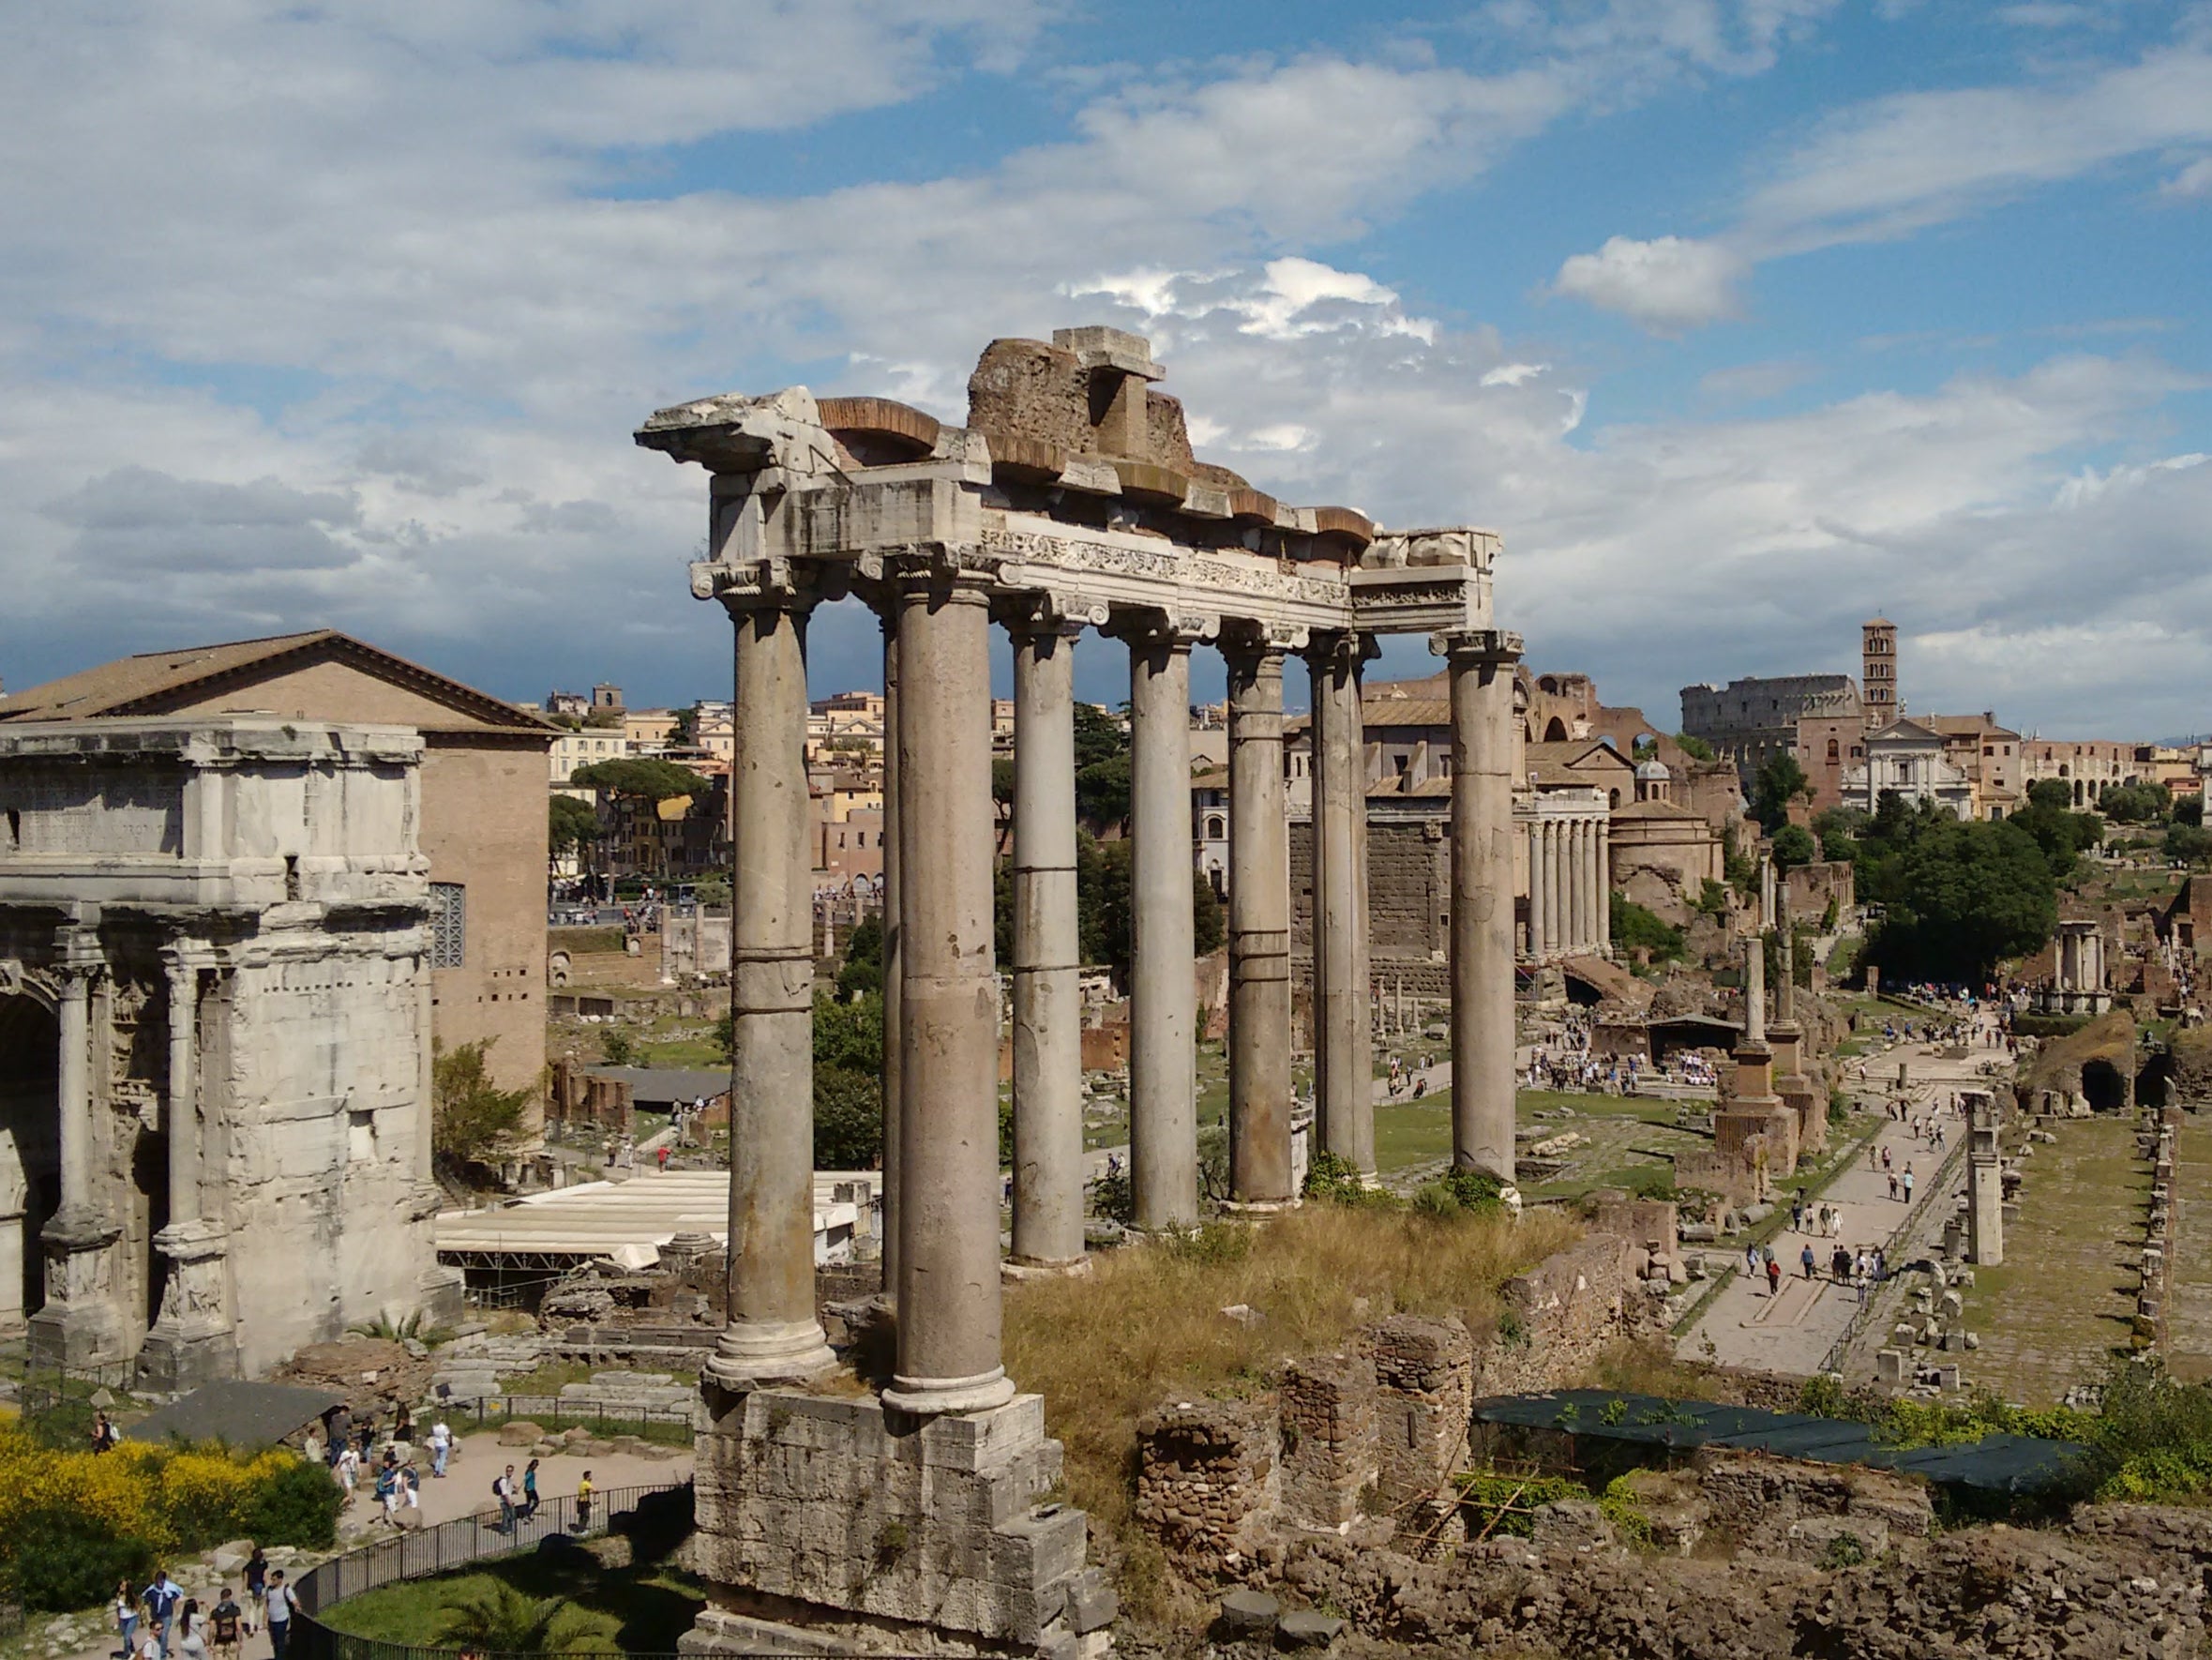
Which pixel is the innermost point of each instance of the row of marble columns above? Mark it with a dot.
(941, 999)
(2081, 959)
(1569, 892)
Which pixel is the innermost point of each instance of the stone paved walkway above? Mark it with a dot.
(2188, 1280)
(1793, 1332)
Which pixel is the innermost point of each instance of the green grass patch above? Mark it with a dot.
(641, 1609)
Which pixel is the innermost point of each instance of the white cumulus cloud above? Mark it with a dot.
(1667, 284)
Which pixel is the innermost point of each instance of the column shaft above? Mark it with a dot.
(894, 993)
(184, 1108)
(1533, 839)
(1047, 955)
(949, 1354)
(772, 1334)
(1481, 687)
(1345, 1063)
(1163, 996)
(1605, 888)
(1259, 934)
(1580, 909)
(1554, 924)
(73, 1089)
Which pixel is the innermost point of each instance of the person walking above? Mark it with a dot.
(503, 1488)
(104, 1433)
(411, 1486)
(441, 1446)
(161, 1598)
(226, 1626)
(1751, 1260)
(349, 1472)
(584, 1504)
(1773, 1277)
(191, 1643)
(125, 1610)
(1805, 1259)
(1797, 1214)
(1894, 1187)
(1908, 1181)
(279, 1604)
(257, 1574)
(530, 1491)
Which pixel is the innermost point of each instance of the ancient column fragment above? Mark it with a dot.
(1554, 921)
(1605, 889)
(1985, 1180)
(1047, 954)
(1343, 1059)
(772, 1334)
(1259, 931)
(1536, 917)
(949, 1310)
(1481, 666)
(1163, 996)
(182, 1105)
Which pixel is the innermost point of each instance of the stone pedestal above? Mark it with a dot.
(1985, 1181)
(80, 1325)
(836, 1526)
(194, 1342)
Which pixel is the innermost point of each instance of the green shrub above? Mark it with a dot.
(298, 1505)
(65, 1559)
(1845, 1551)
(1330, 1179)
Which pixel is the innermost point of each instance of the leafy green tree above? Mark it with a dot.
(1633, 926)
(863, 969)
(571, 826)
(2136, 804)
(1838, 830)
(2190, 810)
(711, 892)
(1696, 748)
(1968, 897)
(1779, 782)
(617, 1048)
(2062, 834)
(2054, 794)
(641, 778)
(1098, 736)
(1209, 927)
(2188, 844)
(848, 1118)
(1102, 792)
(1793, 846)
(473, 1120)
(1089, 897)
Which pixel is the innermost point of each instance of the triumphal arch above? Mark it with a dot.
(1070, 501)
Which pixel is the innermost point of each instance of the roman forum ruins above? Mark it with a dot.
(1071, 501)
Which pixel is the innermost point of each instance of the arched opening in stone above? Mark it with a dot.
(30, 1154)
(1554, 732)
(2105, 1085)
(2154, 1083)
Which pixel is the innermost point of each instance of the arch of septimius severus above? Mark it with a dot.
(1071, 501)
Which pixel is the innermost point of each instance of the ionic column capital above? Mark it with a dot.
(774, 582)
(1248, 638)
(1341, 649)
(1158, 628)
(1492, 645)
(1051, 612)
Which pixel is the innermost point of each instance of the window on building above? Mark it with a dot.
(1835, 752)
(448, 924)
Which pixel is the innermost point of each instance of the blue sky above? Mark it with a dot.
(1740, 319)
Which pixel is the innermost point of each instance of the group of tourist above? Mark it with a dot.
(161, 1621)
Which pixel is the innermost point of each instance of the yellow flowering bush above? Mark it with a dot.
(73, 1522)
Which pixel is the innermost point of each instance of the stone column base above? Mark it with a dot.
(1016, 1270)
(831, 1525)
(80, 1325)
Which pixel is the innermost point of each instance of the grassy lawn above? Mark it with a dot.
(1628, 1142)
(644, 1609)
(2062, 1300)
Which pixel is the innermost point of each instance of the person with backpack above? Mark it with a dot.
(503, 1488)
(1773, 1275)
(226, 1623)
(279, 1604)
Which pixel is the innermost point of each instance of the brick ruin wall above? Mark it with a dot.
(1376, 1431)
(1408, 899)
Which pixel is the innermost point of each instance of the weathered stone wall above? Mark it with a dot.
(833, 1515)
(1327, 1409)
(1809, 888)
(1209, 1479)
(1561, 1316)
(1408, 899)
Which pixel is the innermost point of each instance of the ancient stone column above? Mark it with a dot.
(79, 1325)
(1163, 996)
(183, 1104)
(1259, 931)
(1482, 681)
(1538, 921)
(1985, 1180)
(1553, 893)
(1345, 1081)
(1755, 989)
(894, 993)
(771, 1334)
(1580, 847)
(74, 1088)
(948, 1311)
(1604, 888)
(1047, 954)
